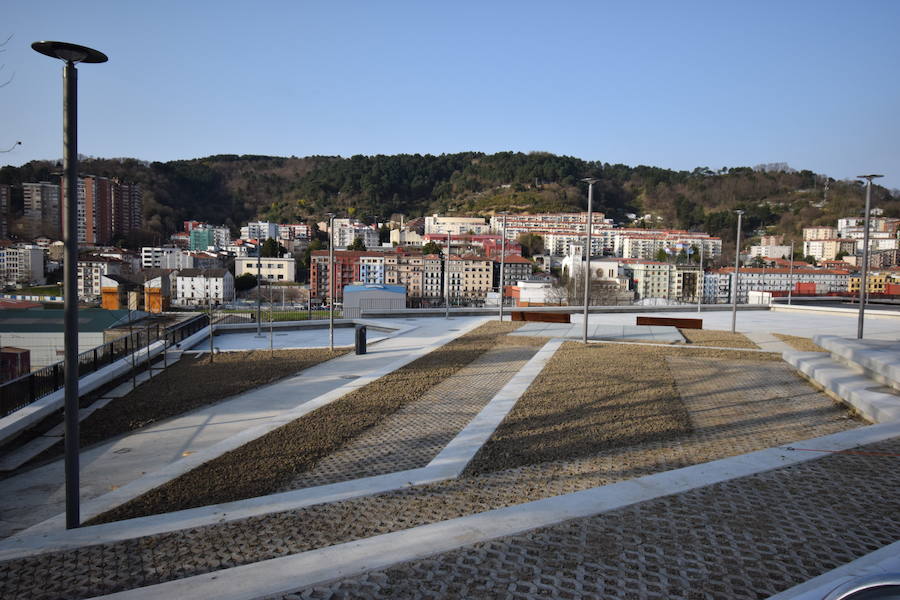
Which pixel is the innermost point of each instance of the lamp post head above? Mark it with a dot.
(71, 53)
(590, 180)
(869, 178)
(738, 212)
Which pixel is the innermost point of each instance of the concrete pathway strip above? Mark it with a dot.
(287, 574)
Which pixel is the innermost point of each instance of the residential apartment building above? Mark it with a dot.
(547, 223)
(42, 209)
(203, 238)
(800, 281)
(259, 230)
(204, 286)
(819, 233)
(347, 230)
(346, 272)
(293, 231)
(515, 269)
(153, 257)
(456, 225)
(828, 249)
(470, 277)
(876, 283)
(270, 268)
(21, 264)
(774, 251)
(90, 271)
(5, 203)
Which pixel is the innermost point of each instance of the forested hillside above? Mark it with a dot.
(231, 189)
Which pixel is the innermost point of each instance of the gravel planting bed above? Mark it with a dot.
(717, 339)
(193, 382)
(588, 399)
(264, 465)
(799, 343)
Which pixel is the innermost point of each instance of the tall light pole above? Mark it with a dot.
(258, 290)
(702, 278)
(865, 264)
(587, 255)
(502, 261)
(71, 54)
(447, 277)
(737, 271)
(791, 273)
(331, 282)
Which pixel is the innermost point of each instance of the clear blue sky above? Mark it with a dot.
(682, 84)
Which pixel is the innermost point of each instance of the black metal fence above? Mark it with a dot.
(22, 391)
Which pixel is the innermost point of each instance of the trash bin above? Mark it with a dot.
(360, 339)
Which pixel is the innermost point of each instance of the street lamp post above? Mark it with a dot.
(865, 263)
(447, 278)
(331, 282)
(702, 279)
(587, 255)
(737, 271)
(502, 262)
(791, 274)
(71, 54)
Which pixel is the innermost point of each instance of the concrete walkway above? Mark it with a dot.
(39, 494)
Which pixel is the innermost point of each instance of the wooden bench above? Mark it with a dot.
(672, 322)
(544, 317)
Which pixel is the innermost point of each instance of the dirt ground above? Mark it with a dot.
(717, 339)
(589, 399)
(193, 382)
(263, 465)
(799, 343)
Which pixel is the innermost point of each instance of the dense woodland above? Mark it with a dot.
(231, 189)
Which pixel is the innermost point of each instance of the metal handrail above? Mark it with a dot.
(26, 389)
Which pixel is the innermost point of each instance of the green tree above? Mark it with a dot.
(432, 248)
(662, 255)
(532, 244)
(272, 249)
(245, 282)
(357, 244)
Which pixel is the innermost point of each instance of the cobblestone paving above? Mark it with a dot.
(736, 407)
(416, 433)
(742, 539)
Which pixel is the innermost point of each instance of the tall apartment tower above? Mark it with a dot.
(128, 208)
(43, 214)
(5, 203)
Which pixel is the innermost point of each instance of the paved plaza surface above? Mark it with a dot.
(745, 538)
(38, 494)
(732, 414)
(288, 338)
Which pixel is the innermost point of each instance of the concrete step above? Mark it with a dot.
(868, 397)
(877, 359)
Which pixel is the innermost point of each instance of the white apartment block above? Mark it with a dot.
(405, 237)
(270, 269)
(293, 231)
(347, 230)
(203, 286)
(646, 246)
(549, 223)
(566, 244)
(22, 264)
(780, 279)
(153, 257)
(456, 225)
(259, 230)
(819, 233)
(828, 249)
(371, 269)
(89, 272)
(773, 251)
